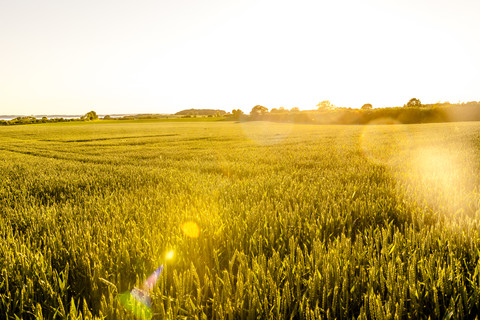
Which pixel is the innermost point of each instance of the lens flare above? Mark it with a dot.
(169, 255)
(138, 307)
(435, 171)
(138, 300)
(381, 140)
(266, 133)
(191, 229)
(439, 177)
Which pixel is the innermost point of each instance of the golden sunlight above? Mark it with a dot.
(191, 229)
(381, 140)
(266, 133)
(169, 255)
(439, 177)
(436, 173)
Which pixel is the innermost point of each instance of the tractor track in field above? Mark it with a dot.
(55, 157)
(113, 138)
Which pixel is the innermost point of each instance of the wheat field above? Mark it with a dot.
(295, 221)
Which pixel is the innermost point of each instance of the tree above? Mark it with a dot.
(279, 110)
(92, 115)
(367, 106)
(414, 103)
(325, 105)
(258, 110)
(295, 109)
(237, 113)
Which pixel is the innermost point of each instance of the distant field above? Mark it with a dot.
(296, 221)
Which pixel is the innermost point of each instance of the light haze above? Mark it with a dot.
(70, 57)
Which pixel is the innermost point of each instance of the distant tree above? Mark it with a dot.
(237, 113)
(414, 102)
(295, 109)
(325, 105)
(92, 115)
(258, 110)
(279, 110)
(367, 106)
(107, 117)
(200, 112)
(25, 120)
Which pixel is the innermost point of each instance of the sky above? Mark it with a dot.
(70, 57)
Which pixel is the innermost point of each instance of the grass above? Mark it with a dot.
(296, 221)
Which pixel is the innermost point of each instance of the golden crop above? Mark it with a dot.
(259, 220)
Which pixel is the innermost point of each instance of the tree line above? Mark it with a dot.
(327, 113)
(89, 116)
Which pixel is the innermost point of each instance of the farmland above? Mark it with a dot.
(296, 220)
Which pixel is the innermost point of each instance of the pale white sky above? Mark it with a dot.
(70, 57)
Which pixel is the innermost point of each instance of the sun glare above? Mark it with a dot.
(191, 229)
(440, 176)
(435, 173)
(266, 133)
(381, 140)
(169, 255)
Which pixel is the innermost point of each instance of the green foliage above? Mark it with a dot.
(297, 221)
(279, 110)
(325, 105)
(201, 112)
(414, 103)
(440, 112)
(89, 116)
(258, 111)
(237, 114)
(33, 120)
